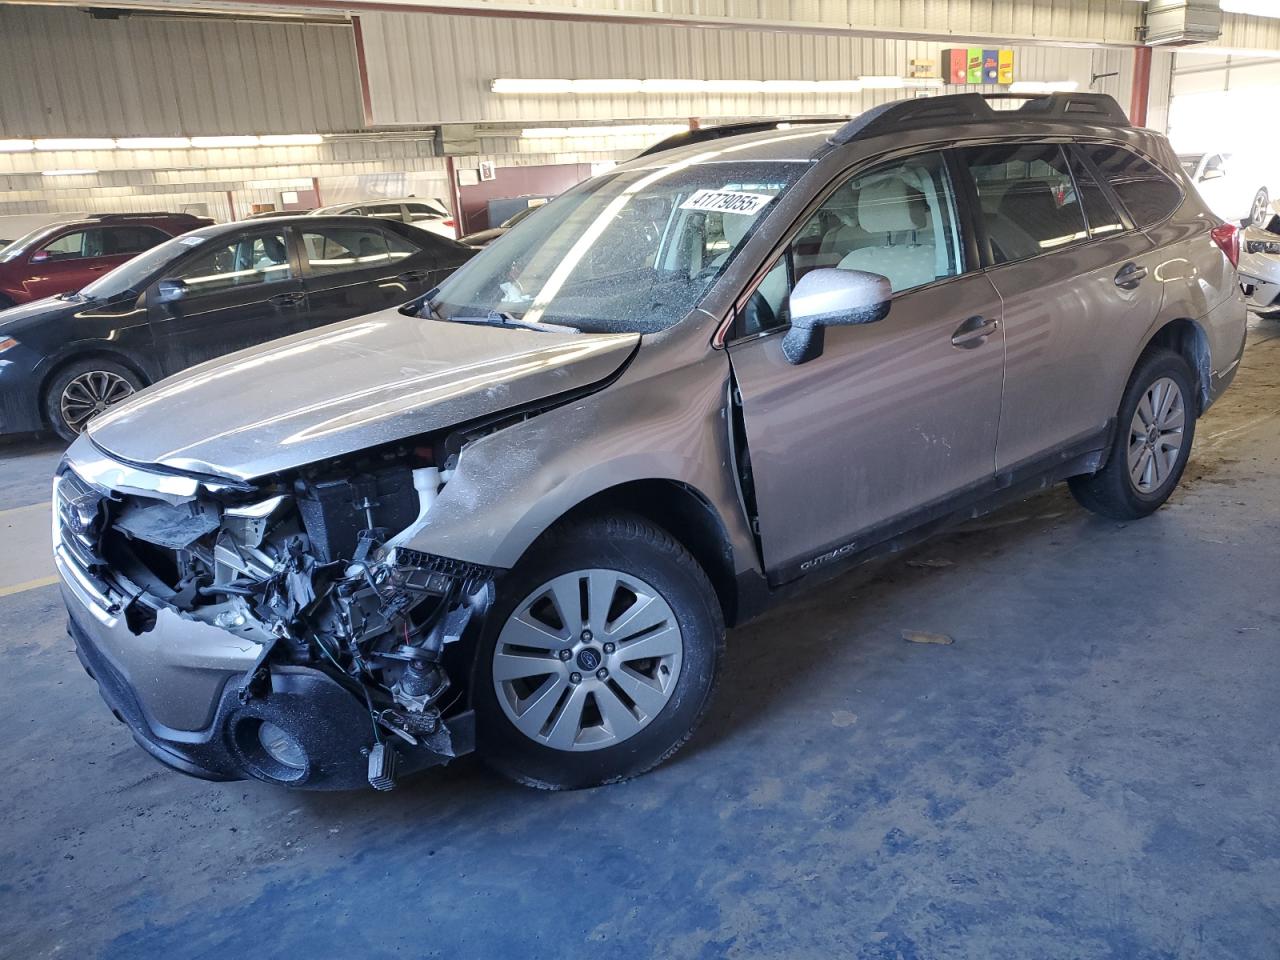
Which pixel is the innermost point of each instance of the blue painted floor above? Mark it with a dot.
(1090, 770)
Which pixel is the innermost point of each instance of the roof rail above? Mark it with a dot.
(703, 134)
(145, 213)
(964, 108)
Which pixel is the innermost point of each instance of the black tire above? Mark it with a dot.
(1267, 314)
(1112, 492)
(635, 547)
(52, 400)
(6, 302)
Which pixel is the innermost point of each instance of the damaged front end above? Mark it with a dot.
(292, 605)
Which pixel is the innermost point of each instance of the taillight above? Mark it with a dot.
(1227, 236)
(450, 222)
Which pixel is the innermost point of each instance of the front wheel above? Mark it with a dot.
(600, 657)
(82, 390)
(1261, 210)
(1155, 428)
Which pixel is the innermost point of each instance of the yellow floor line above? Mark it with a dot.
(28, 585)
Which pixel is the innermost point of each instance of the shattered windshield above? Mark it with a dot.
(633, 251)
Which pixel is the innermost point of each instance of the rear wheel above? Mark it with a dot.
(600, 657)
(82, 390)
(1155, 428)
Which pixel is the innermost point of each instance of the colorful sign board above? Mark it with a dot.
(976, 65)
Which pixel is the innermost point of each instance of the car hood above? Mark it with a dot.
(17, 319)
(341, 388)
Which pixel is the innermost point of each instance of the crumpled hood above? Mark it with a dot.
(345, 387)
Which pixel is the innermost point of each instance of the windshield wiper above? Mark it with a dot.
(495, 318)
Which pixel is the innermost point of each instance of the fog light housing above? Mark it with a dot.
(281, 747)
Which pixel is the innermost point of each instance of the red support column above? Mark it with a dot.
(231, 204)
(1141, 86)
(455, 196)
(315, 188)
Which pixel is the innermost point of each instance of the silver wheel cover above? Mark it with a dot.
(89, 394)
(1155, 435)
(587, 660)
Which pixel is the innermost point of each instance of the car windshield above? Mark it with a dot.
(132, 276)
(15, 249)
(630, 251)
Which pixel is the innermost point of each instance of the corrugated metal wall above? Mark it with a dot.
(1253, 33)
(438, 69)
(63, 73)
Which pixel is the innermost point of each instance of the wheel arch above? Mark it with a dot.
(1190, 341)
(682, 511)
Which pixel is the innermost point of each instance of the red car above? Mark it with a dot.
(62, 257)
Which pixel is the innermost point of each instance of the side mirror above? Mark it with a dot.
(1212, 174)
(170, 291)
(828, 298)
(40, 256)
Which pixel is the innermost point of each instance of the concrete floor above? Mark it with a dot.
(1090, 770)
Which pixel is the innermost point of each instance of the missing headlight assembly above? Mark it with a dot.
(309, 573)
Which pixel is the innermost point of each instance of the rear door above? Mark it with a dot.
(353, 267)
(239, 290)
(895, 417)
(1078, 287)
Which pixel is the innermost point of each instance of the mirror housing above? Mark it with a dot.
(831, 297)
(170, 291)
(1215, 174)
(40, 256)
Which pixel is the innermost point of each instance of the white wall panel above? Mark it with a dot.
(437, 69)
(66, 74)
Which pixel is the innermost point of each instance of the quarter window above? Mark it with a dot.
(242, 262)
(1144, 189)
(1026, 198)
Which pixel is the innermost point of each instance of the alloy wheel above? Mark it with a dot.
(89, 394)
(1155, 435)
(1260, 204)
(587, 660)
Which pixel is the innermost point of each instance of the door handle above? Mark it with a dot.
(1130, 276)
(974, 332)
(287, 299)
(413, 276)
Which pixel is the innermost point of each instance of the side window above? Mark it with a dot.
(1102, 216)
(424, 211)
(1144, 189)
(341, 249)
(125, 241)
(386, 211)
(897, 220)
(69, 246)
(1026, 198)
(241, 262)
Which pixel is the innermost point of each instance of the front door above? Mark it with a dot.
(236, 292)
(894, 417)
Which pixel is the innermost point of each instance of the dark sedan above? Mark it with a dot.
(65, 359)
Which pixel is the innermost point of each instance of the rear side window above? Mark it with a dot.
(342, 249)
(1103, 218)
(124, 241)
(1027, 199)
(1145, 190)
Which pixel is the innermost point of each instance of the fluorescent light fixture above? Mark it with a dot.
(214, 142)
(292, 140)
(66, 173)
(86, 143)
(1045, 86)
(616, 130)
(883, 83)
(16, 146)
(676, 86)
(153, 143)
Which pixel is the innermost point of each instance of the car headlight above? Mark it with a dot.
(6, 343)
(1253, 246)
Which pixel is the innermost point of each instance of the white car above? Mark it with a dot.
(1237, 187)
(429, 213)
(1260, 264)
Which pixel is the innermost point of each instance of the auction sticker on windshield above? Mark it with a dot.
(726, 201)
